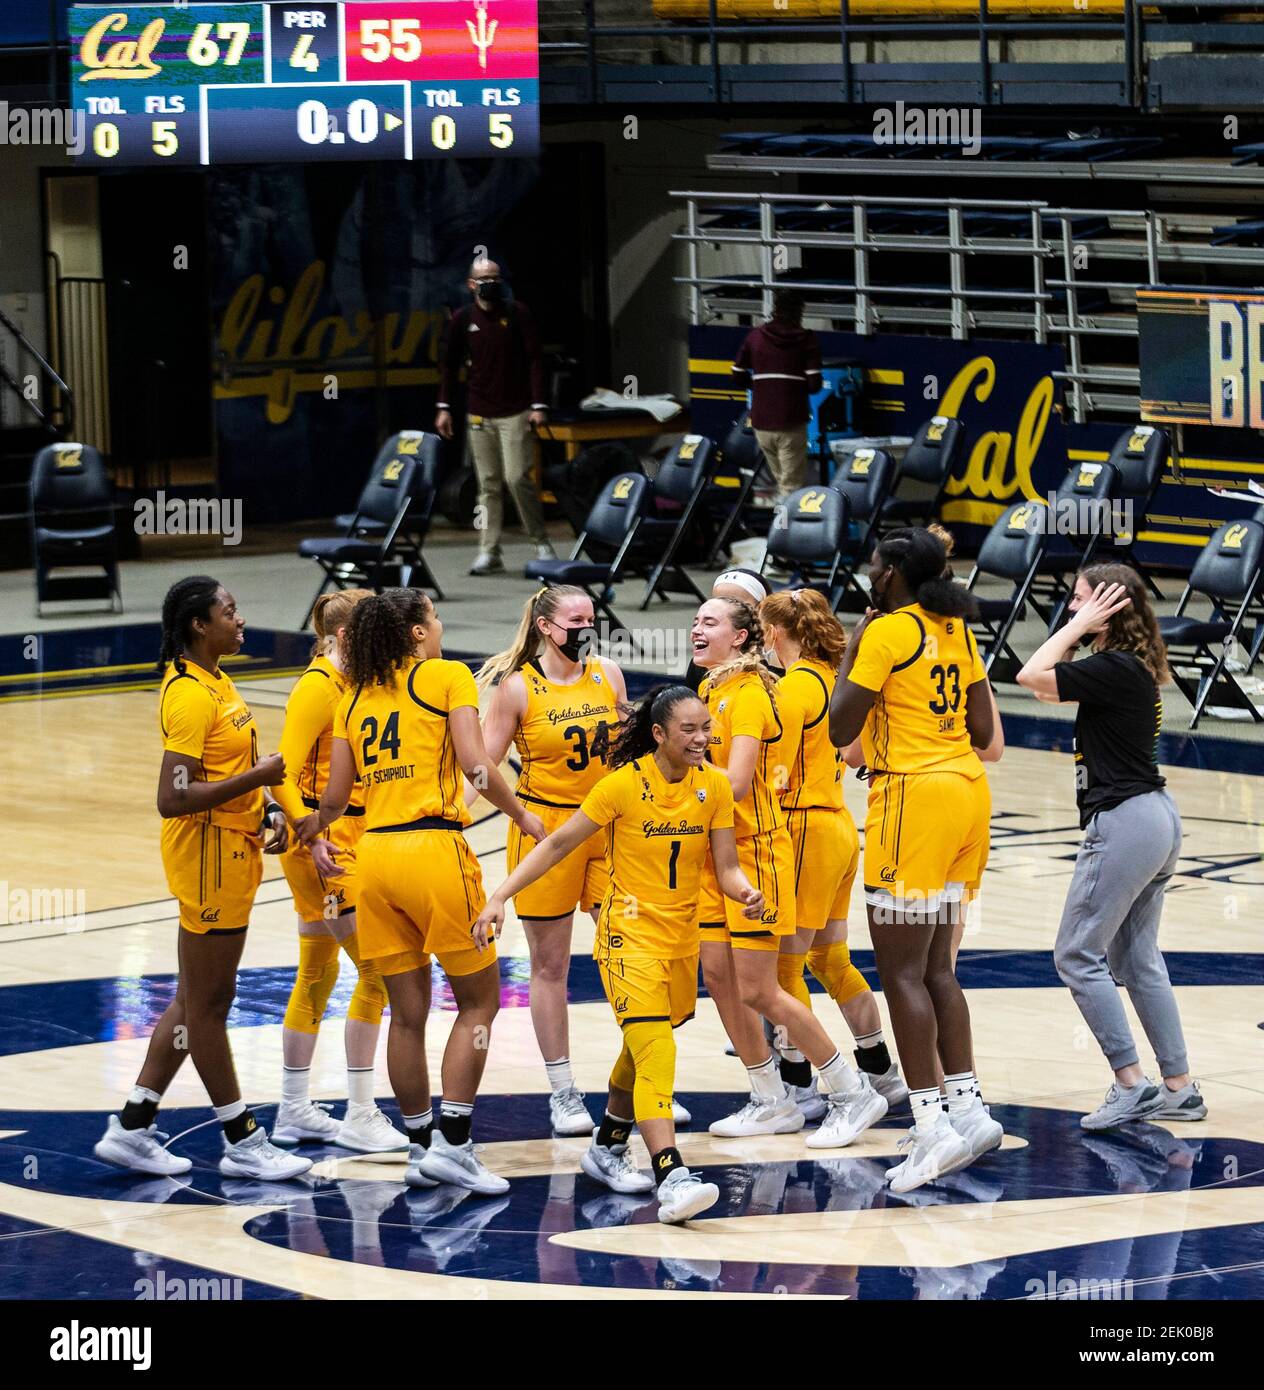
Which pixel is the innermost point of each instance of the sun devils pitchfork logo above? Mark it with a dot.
(482, 32)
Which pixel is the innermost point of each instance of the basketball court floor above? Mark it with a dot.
(88, 960)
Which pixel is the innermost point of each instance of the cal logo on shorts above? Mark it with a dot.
(887, 875)
(210, 914)
(809, 504)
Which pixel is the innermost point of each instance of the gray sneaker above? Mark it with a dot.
(488, 562)
(1185, 1104)
(1124, 1104)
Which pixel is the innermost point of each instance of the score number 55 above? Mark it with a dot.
(384, 39)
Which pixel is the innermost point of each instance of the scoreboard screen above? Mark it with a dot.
(274, 83)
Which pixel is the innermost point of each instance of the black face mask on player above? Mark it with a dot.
(579, 641)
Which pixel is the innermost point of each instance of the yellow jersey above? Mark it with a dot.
(563, 738)
(920, 664)
(740, 706)
(810, 772)
(307, 737)
(203, 716)
(657, 837)
(403, 753)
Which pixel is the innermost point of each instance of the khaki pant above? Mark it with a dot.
(503, 452)
(787, 455)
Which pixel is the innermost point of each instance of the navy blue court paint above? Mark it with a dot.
(447, 1231)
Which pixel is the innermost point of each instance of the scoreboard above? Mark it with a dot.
(359, 79)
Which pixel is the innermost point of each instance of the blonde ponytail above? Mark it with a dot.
(332, 611)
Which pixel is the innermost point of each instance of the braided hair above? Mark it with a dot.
(751, 657)
(636, 734)
(379, 636)
(187, 599)
(922, 558)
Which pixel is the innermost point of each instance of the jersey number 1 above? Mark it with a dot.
(671, 864)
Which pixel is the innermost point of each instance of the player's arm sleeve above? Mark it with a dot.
(1094, 680)
(462, 690)
(188, 714)
(450, 359)
(722, 816)
(752, 713)
(605, 802)
(306, 716)
(886, 645)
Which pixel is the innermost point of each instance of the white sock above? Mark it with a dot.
(138, 1095)
(224, 1113)
(925, 1106)
(867, 1039)
(295, 1085)
(359, 1085)
(765, 1080)
(838, 1076)
(790, 1053)
(559, 1074)
(961, 1091)
(418, 1121)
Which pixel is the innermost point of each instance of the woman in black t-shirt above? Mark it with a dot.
(1132, 840)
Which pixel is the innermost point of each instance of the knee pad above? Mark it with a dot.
(313, 983)
(653, 1049)
(623, 1074)
(832, 966)
(368, 999)
(790, 977)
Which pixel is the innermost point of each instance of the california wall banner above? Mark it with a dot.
(1202, 362)
(1006, 394)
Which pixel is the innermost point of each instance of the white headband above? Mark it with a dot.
(747, 582)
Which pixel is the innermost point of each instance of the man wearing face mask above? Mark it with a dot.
(495, 339)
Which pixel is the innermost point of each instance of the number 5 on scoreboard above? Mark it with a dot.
(165, 141)
(501, 131)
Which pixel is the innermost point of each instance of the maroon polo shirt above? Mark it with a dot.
(781, 365)
(501, 352)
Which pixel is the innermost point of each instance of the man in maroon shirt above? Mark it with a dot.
(780, 361)
(496, 340)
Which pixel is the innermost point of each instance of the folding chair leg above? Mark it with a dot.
(722, 538)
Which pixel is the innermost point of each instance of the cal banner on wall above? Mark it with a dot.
(1004, 393)
(331, 287)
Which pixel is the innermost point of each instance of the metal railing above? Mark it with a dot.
(50, 405)
(1065, 268)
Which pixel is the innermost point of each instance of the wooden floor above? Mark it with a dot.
(77, 998)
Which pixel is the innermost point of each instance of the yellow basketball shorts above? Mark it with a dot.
(644, 989)
(213, 872)
(318, 899)
(767, 860)
(579, 881)
(926, 838)
(420, 891)
(826, 857)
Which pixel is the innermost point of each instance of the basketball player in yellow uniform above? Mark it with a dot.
(326, 911)
(406, 730)
(739, 958)
(912, 685)
(557, 701)
(808, 641)
(661, 808)
(211, 800)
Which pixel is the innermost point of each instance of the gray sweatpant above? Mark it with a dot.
(1110, 927)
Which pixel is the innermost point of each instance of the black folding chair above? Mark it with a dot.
(1228, 573)
(864, 477)
(1082, 519)
(613, 523)
(681, 481)
(742, 458)
(72, 526)
(929, 462)
(382, 539)
(808, 535)
(1139, 456)
(1010, 550)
